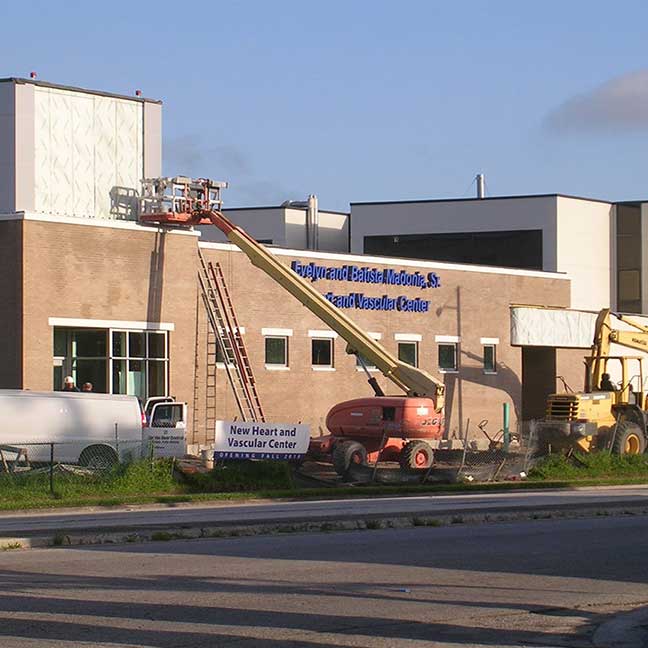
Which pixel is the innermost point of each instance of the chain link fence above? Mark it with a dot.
(480, 456)
(507, 457)
(53, 464)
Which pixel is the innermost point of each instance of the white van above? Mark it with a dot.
(87, 428)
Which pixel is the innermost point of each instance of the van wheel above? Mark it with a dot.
(347, 453)
(629, 439)
(416, 454)
(98, 457)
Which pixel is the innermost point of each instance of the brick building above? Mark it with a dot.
(87, 291)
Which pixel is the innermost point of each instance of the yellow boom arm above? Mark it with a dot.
(413, 381)
(604, 335)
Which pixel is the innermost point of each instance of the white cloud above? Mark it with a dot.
(618, 104)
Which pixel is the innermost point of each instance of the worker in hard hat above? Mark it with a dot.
(68, 384)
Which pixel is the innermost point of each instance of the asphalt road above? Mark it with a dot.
(542, 583)
(17, 523)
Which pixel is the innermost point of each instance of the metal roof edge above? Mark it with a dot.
(58, 86)
(475, 199)
(321, 210)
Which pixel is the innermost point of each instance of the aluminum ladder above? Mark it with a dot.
(225, 328)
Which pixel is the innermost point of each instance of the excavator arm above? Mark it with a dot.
(413, 381)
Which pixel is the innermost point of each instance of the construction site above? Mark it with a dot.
(394, 331)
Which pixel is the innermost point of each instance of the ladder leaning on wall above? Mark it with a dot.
(224, 326)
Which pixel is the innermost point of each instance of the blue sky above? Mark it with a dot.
(366, 100)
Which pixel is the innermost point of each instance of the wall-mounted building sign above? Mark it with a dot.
(385, 277)
(251, 440)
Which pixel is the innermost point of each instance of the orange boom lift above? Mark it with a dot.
(406, 428)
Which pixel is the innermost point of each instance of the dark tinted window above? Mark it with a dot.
(629, 258)
(322, 353)
(510, 249)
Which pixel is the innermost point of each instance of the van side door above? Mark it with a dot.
(166, 431)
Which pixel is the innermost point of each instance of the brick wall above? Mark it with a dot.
(102, 273)
(470, 305)
(88, 272)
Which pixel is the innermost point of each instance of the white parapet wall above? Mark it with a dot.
(75, 152)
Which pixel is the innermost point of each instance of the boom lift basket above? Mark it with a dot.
(177, 200)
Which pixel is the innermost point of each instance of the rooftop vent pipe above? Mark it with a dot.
(312, 219)
(480, 185)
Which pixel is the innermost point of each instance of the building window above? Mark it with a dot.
(448, 356)
(322, 352)
(629, 258)
(276, 351)
(508, 248)
(368, 365)
(81, 353)
(114, 361)
(139, 363)
(408, 352)
(490, 358)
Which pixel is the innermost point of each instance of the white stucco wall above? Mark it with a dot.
(491, 214)
(295, 228)
(285, 227)
(585, 250)
(333, 232)
(266, 224)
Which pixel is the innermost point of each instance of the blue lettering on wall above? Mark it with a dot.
(383, 303)
(362, 274)
(358, 274)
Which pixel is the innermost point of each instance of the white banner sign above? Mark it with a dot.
(238, 440)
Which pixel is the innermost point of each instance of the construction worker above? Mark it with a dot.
(606, 383)
(87, 387)
(68, 384)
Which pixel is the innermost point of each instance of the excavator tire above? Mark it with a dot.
(629, 439)
(416, 454)
(347, 453)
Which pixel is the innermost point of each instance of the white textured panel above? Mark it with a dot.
(42, 172)
(61, 148)
(89, 154)
(129, 165)
(82, 108)
(104, 154)
(551, 327)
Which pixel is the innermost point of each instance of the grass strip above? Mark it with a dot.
(154, 483)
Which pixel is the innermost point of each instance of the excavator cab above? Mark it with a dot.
(627, 376)
(611, 411)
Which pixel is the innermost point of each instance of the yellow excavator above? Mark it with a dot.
(604, 416)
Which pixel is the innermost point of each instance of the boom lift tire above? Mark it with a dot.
(416, 454)
(347, 453)
(629, 439)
